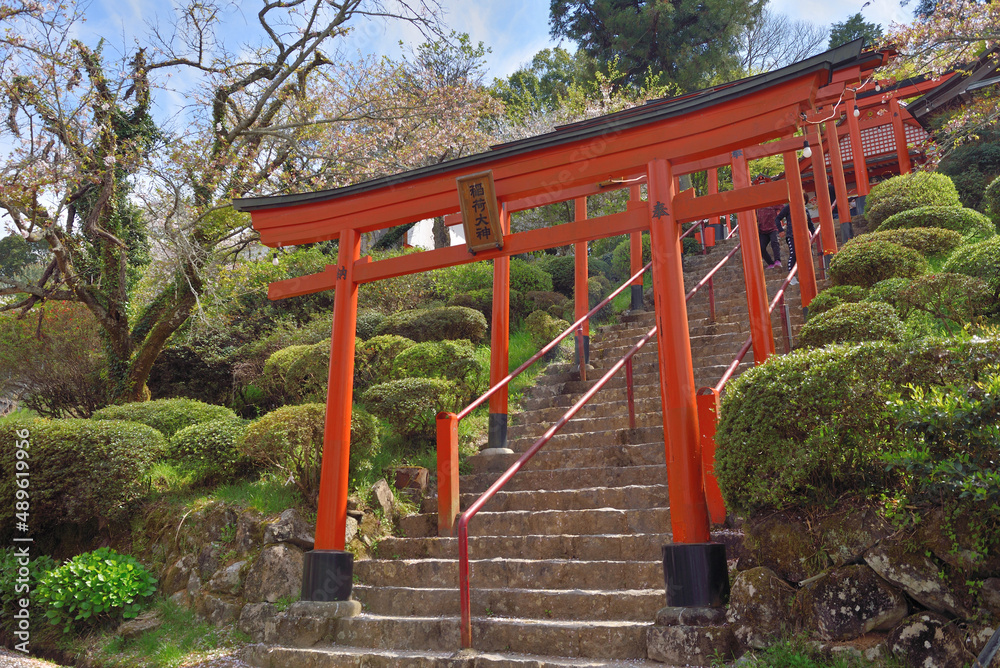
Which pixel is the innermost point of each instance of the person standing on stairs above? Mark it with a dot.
(784, 221)
(767, 231)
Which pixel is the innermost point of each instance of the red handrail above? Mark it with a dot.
(462, 525)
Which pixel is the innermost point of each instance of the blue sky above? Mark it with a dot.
(513, 29)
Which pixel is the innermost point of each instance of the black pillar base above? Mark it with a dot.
(586, 348)
(497, 431)
(696, 574)
(328, 575)
(637, 298)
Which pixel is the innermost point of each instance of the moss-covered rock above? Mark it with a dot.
(850, 602)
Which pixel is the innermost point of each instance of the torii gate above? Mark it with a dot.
(657, 141)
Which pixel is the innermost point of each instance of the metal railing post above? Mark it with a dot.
(581, 354)
(447, 471)
(786, 325)
(711, 300)
(630, 391)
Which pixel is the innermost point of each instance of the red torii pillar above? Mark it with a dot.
(803, 247)
(635, 251)
(827, 234)
(839, 180)
(857, 153)
(694, 568)
(581, 289)
(899, 130)
(499, 345)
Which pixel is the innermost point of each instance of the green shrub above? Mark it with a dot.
(451, 360)
(971, 224)
(991, 201)
(852, 323)
(451, 322)
(980, 260)
(464, 278)
(390, 295)
(597, 288)
(528, 277)
(931, 242)
(908, 191)
(307, 376)
(835, 296)
(542, 301)
(373, 359)
(810, 426)
(81, 470)
(12, 567)
(482, 301)
(543, 327)
(606, 246)
(621, 260)
(94, 588)
(368, 322)
(867, 264)
(411, 405)
(562, 269)
(887, 292)
(950, 298)
(168, 416)
(210, 451)
(598, 267)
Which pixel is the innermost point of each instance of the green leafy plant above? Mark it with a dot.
(209, 452)
(953, 299)
(622, 257)
(543, 327)
(451, 360)
(980, 260)
(867, 264)
(835, 296)
(168, 416)
(562, 269)
(95, 587)
(367, 322)
(909, 191)
(436, 324)
(852, 323)
(931, 242)
(887, 292)
(410, 405)
(972, 225)
(991, 201)
(373, 359)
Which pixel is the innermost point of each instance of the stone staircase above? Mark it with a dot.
(565, 562)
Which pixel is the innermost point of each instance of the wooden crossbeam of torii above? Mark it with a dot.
(653, 143)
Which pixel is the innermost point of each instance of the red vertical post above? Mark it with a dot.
(688, 511)
(827, 232)
(635, 251)
(447, 471)
(803, 243)
(581, 290)
(499, 343)
(857, 150)
(837, 168)
(708, 416)
(331, 515)
(713, 188)
(753, 270)
(899, 130)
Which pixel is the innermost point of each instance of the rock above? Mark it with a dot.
(759, 602)
(738, 553)
(354, 505)
(850, 602)
(218, 610)
(194, 585)
(674, 616)
(253, 617)
(954, 541)
(351, 530)
(275, 574)
(411, 481)
(209, 560)
(305, 623)
(846, 534)
(181, 598)
(226, 580)
(177, 576)
(147, 621)
(917, 575)
(369, 526)
(290, 528)
(978, 634)
(691, 645)
(990, 595)
(384, 498)
(783, 543)
(929, 639)
(249, 532)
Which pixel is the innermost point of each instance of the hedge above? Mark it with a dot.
(948, 297)
(867, 264)
(482, 301)
(462, 279)
(168, 416)
(621, 260)
(373, 359)
(931, 242)
(835, 296)
(852, 323)
(888, 292)
(210, 451)
(544, 327)
(908, 191)
(451, 360)
(450, 322)
(562, 269)
(367, 322)
(980, 260)
(810, 426)
(411, 405)
(81, 470)
(991, 201)
(971, 224)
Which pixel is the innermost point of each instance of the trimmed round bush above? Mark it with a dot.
(450, 322)
(482, 301)
(411, 405)
(980, 260)
(93, 588)
(528, 277)
(308, 375)
(451, 360)
(971, 224)
(908, 191)
(621, 260)
(808, 427)
(867, 264)
(210, 451)
(888, 292)
(562, 269)
(951, 298)
(931, 242)
(542, 301)
(835, 296)
(991, 201)
(81, 470)
(852, 323)
(373, 359)
(543, 327)
(168, 416)
(368, 322)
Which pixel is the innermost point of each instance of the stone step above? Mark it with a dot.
(588, 639)
(614, 547)
(583, 440)
(571, 604)
(569, 478)
(537, 420)
(516, 573)
(631, 497)
(587, 522)
(269, 656)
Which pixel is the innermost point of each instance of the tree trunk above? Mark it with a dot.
(442, 239)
